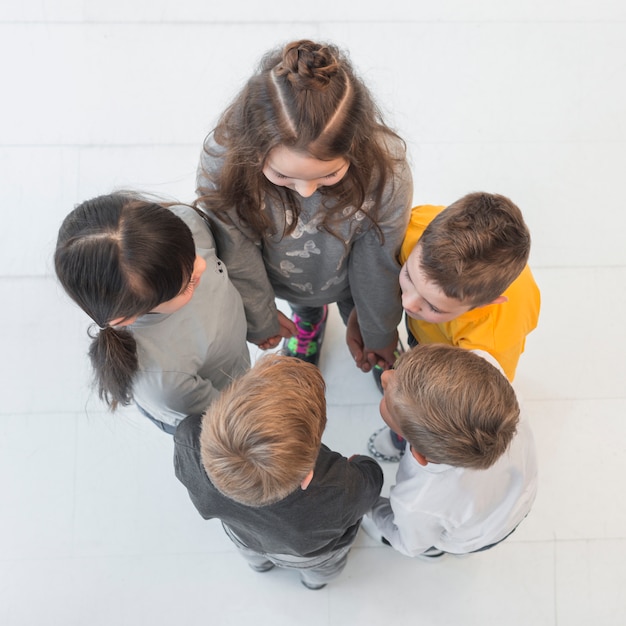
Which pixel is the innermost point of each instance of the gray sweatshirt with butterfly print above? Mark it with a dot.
(311, 267)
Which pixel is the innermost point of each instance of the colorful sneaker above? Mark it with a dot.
(382, 446)
(306, 345)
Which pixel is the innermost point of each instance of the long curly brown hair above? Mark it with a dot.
(305, 96)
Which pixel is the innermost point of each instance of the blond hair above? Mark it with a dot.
(262, 436)
(475, 248)
(452, 406)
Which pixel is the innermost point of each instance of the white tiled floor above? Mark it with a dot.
(524, 98)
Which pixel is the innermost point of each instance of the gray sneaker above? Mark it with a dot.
(382, 447)
(312, 586)
(263, 567)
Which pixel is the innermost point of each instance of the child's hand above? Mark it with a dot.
(355, 343)
(286, 329)
(383, 357)
(287, 326)
(270, 342)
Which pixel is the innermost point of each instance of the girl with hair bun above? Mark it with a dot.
(309, 195)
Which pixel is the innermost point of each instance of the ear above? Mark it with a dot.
(499, 300)
(420, 458)
(306, 481)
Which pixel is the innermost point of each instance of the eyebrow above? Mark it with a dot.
(277, 172)
(333, 173)
(293, 177)
(434, 308)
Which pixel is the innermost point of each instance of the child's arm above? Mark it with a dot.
(354, 339)
(374, 270)
(366, 359)
(287, 329)
(407, 531)
(244, 261)
(242, 254)
(363, 482)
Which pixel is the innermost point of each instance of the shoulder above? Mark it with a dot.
(421, 217)
(402, 176)
(212, 153)
(334, 467)
(521, 310)
(394, 145)
(424, 214)
(199, 227)
(523, 287)
(489, 358)
(188, 432)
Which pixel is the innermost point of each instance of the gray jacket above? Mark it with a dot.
(187, 357)
(321, 519)
(311, 267)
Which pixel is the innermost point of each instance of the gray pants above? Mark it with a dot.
(167, 428)
(314, 570)
(314, 314)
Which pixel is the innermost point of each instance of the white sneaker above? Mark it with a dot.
(432, 554)
(381, 446)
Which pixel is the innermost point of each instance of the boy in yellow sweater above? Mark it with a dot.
(465, 282)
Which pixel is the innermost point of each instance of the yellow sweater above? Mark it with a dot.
(499, 329)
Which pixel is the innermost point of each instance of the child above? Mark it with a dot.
(471, 475)
(171, 335)
(465, 282)
(309, 194)
(256, 462)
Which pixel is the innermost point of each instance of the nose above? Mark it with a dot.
(411, 303)
(306, 188)
(384, 379)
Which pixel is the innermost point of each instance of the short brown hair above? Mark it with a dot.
(475, 248)
(453, 406)
(262, 435)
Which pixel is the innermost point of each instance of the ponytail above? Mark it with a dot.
(119, 256)
(113, 354)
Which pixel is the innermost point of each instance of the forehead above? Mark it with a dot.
(300, 165)
(429, 289)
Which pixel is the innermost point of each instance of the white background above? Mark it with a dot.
(522, 98)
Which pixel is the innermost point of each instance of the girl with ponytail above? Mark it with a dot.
(169, 329)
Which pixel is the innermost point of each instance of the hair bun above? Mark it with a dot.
(308, 65)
